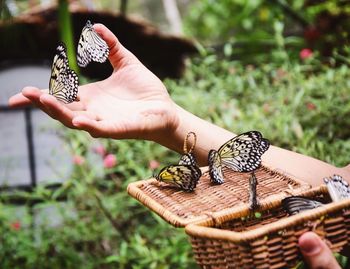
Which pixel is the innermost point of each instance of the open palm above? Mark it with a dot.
(131, 103)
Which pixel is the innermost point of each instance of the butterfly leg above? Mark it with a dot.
(253, 198)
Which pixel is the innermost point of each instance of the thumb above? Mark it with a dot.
(316, 253)
(119, 56)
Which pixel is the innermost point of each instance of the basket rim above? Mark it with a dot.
(134, 190)
(201, 229)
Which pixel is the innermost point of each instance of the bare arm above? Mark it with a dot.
(134, 103)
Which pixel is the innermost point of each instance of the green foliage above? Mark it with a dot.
(101, 226)
(301, 107)
(66, 33)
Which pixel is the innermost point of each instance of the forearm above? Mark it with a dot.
(210, 136)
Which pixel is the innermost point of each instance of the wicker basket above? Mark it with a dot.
(239, 239)
(180, 208)
(225, 234)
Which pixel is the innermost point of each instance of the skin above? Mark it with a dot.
(134, 104)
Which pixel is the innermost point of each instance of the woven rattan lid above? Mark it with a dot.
(180, 208)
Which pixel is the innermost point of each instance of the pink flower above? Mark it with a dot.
(15, 225)
(78, 160)
(305, 54)
(310, 106)
(100, 150)
(109, 161)
(153, 164)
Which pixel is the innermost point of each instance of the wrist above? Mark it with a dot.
(209, 136)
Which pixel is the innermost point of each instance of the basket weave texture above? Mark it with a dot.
(208, 201)
(271, 241)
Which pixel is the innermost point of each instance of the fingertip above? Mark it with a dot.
(310, 243)
(30, 91)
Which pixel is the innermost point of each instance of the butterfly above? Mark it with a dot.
(91, 47)
(63, 81)
(241, 153)
(188, 159)
(183, 176)
(338, 190)
(296, 204)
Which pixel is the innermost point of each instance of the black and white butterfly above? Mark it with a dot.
(338, 190)
(91, 46)
(63, 81)
(241, 153)
(296, 204)
(188, 159)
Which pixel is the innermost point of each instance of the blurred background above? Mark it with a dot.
(278, 66)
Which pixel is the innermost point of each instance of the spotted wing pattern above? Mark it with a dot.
(91, 47)
(338, 188)
(243, 152)
(296, 204)
(63, 81)
(188, 159)
(184, 177)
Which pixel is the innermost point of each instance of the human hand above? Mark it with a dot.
(316, 253)
(131, 103)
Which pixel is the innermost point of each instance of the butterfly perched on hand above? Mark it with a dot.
(241, 153)
(63, 81)
(183, 176)
(91, 47)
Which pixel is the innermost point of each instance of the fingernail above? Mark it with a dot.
(310, 244)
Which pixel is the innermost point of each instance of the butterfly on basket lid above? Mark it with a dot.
(186, 173)
(91, 47)
(63, 81)
(338, 190)
(183, 176)
(241, 154)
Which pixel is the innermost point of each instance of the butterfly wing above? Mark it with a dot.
(296, 204)
(215, 168)
(183, 176)
(338, 188)
(188, 159)
(63, 81)
(243, 152)
(91, 47)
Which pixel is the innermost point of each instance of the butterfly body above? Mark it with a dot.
(91, 47)
(63, 81)
(185, 177)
